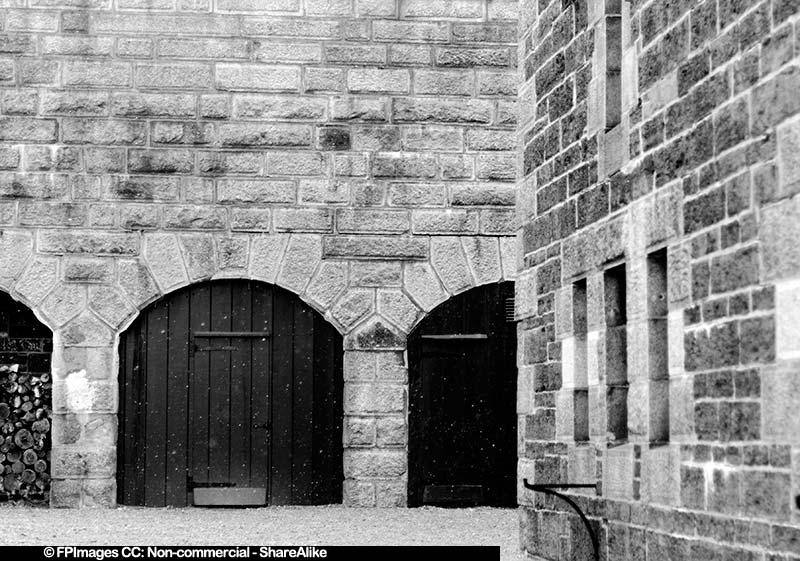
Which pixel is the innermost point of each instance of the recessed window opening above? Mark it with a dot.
(616, 353)
(613, 71)
(657, 309)
(581, 392)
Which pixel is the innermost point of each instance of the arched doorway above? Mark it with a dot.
(26, 390)
(230, 394)
(462, 410)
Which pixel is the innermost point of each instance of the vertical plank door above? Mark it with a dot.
(462, 409)
(230, 384)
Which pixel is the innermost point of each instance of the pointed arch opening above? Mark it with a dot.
(230, 394)
(462, 405)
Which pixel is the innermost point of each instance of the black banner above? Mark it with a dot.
(349, 553)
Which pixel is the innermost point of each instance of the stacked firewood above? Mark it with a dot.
(24, 434)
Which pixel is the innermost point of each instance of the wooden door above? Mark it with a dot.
(233, 385)
(462, 416)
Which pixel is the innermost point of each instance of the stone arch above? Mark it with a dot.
(456, 265)
(170, 262)
(374, 322)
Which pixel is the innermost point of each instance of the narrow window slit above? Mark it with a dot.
(581, 391)
(613, 70)
(657, 309)
(616, 354)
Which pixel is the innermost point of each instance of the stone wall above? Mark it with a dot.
(658, 296)
(360, 153)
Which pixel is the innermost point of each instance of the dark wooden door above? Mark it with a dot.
(462, 368)
(230, 384)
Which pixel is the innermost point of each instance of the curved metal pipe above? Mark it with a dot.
(548, 489)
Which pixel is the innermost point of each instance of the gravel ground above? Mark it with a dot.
(334, 525)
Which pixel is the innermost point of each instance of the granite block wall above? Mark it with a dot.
(359, 153)
(657, 295)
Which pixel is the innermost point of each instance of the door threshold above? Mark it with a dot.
(230, 496)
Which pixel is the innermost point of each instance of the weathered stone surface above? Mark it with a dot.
(65, 493)
(199, 255)
(391, 431)
(233, 253)
(399, 308)
(422, 284)
(392, 367)
(15, 249)
(163, 255)
(255, 191)
(374, 398)
(303, 220)
(109, 303)
(38, 279)
(86, 330)
(88, 429)
(509, 257)
(374, 463)
(137, 281)
(240, 77)
(358, 493)
(370, 80)
(302, 256)
(483, 256)
(376, 273)
(328, 282)
(360, 365)
(777, 230)
(266, 255)
(251, 219)
(99, 493)
(94, 243)
(449, 261)
(779, 385)
(368, 247)
(64, 303)
(391, 494)
(69, 462)
(96, 362)
(449, 221)
(359, 431)
(372, 221)
(789, 156)
(353, 306)
(375, 334)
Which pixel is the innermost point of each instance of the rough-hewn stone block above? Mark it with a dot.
(238, 77)
(363, 221)
(255, 191)
(97, 243)
(370, 80)
(449, 260)
(163, 254)
(303, 254)
(355, 247)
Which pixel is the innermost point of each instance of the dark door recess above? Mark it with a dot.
(462, 416)
(230, 393)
